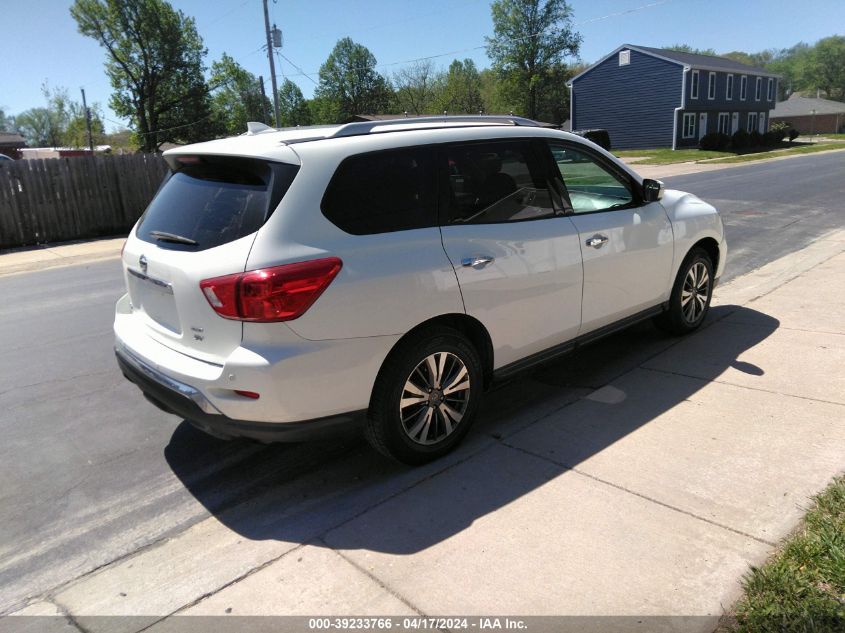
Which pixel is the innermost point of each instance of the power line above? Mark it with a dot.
(514, 39)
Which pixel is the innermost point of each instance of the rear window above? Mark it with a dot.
(381, 192)
(209, 200)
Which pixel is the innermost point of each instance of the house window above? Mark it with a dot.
(711, 86)
(689, 125)
(752, 122)
(729, 88)
(743, 87)
(757, 88)
(770, 89)
(724, 123)
(624, 58)
(694, 85)
(762, 123)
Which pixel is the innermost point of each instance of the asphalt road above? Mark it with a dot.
(91, 472)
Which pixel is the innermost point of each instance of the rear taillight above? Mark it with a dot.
(281, 293)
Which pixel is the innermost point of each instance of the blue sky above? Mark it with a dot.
(41, 42)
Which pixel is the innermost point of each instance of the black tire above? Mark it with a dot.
(388, 426)
(681, 318)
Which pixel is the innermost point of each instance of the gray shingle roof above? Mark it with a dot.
(705, 61)
(804, 106)
(11, 138)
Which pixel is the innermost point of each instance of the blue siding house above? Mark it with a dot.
(652, 97)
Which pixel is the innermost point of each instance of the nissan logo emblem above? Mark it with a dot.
(142, 262)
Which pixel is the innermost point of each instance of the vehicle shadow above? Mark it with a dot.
(300, 493)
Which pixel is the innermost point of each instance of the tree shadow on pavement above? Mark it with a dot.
(301, 493)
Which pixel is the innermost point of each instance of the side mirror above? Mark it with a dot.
(652, 190)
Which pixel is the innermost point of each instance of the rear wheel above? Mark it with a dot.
(425, 397)
(691, 294)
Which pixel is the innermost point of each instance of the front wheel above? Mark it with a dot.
(425, 397)
(691, 294)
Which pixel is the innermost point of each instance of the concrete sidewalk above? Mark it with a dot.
(645, 485)
(29, 259)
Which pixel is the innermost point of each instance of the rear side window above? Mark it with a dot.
(495, 182)
(212, 200)
(381, 192)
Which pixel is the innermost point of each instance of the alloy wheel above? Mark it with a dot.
(695, 292)
(434, 398)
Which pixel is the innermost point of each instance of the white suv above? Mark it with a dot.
(286, 284)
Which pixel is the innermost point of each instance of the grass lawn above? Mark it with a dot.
(802, 587)
(665, 156)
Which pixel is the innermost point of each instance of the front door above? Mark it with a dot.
(627, 245)
(516, 256)
(734, 122)
(702, 125)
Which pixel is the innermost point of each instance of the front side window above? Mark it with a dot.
(729, 90)
(770, 91)
(743, 87)
(694, 85)
(591, 187)
(491, 182)
(689, 125)
(711, 86)
(757, 86)
(382, 192)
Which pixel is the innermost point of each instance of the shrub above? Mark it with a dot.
(793, 134)
(598, 136)
(773, 137)
(755, 139)
(778, 131)
(740, 140)
(715, 142)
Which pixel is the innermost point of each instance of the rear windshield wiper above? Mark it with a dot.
(163, 236)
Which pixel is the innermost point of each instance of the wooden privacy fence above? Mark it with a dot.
(60, 199)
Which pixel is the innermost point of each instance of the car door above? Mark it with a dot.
(516, 255)
(627, 244)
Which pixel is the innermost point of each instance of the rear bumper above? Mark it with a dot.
(183, 400)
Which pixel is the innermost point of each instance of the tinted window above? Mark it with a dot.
(381, 192)
(214, 200)
(591, 187)
(495, 182)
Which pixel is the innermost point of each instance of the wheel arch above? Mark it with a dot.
(469, 326)
(711, 246)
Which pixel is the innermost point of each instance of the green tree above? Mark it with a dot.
(529, 38)
(418, 88)
(76, 132)
(825, 67)
(461, 93)
(293, 108)
(7, 122)
(236, 97)
(349, 83)
(155, 65)
(686, 48)
(553, 106)
(36, 126)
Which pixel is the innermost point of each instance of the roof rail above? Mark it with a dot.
(367, 127)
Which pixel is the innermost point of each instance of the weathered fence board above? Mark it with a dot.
(60, 199)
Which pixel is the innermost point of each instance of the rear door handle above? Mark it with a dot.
(597, 241)
(479, 261)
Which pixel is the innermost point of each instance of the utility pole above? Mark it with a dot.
(87, 122)
(263, 98)
(272, 64)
